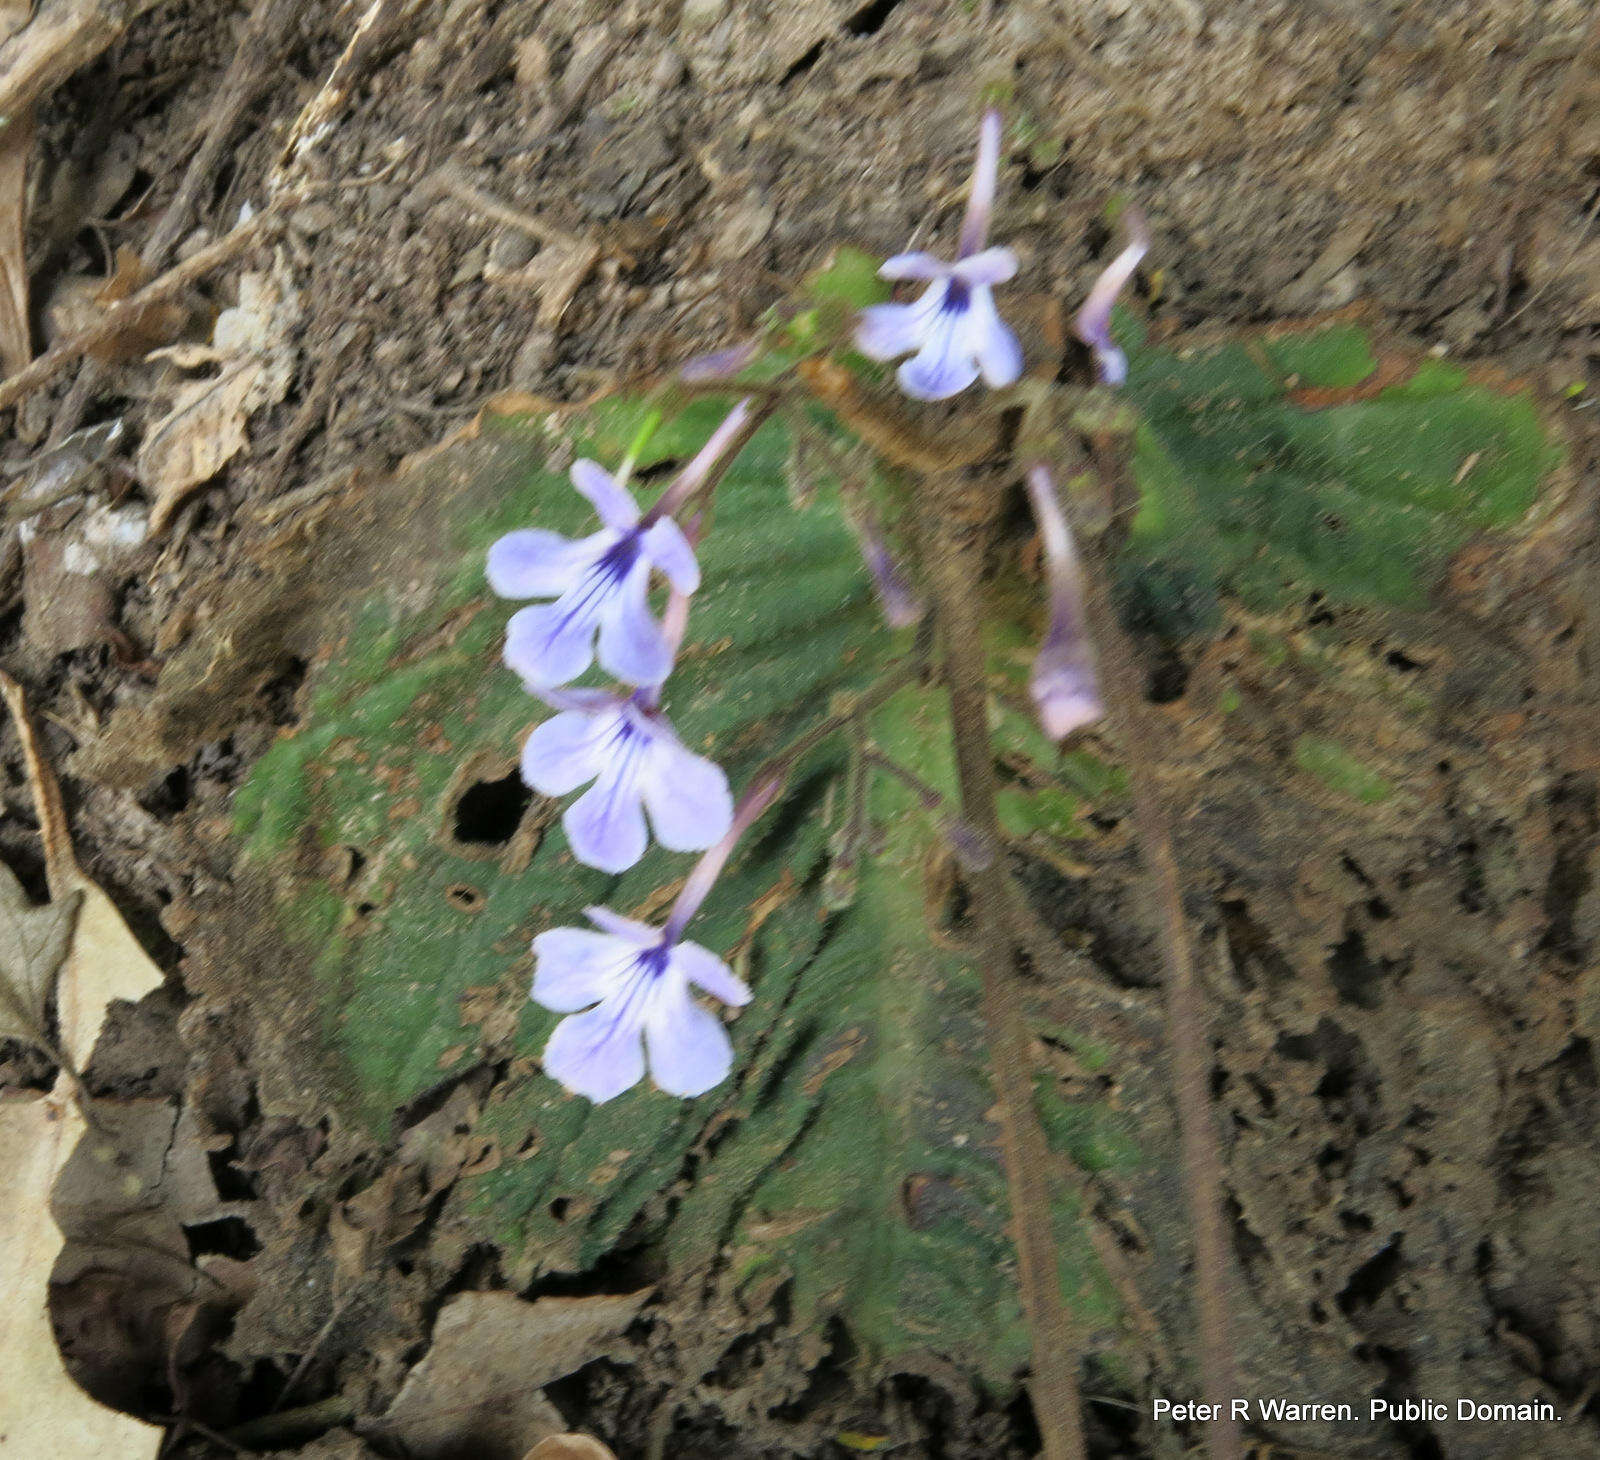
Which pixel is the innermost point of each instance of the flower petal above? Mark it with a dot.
(665, 545)
(613, 502)
(629, 929)
(992, 266)
(990, 341)
(942, 367)
(887, 331)
(689, 1049)
(575, 968)
(550, 643)
(705, 970)
(917, 265)
(605, 825)
(533, 563)
(567, 750)
(632, 646)
(598, 1054)
(686, 795)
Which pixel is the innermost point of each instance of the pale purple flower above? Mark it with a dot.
(1065, 685)
(601, 583)
(1093, 322)
(627, 747)
(632, 984)
(954, 333)
(627, 990)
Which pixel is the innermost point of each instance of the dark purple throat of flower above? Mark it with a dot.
(597, 583)
(639, 978)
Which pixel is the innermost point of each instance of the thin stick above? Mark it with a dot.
(952, 560)
(1200, 1150)
(243, 82)
(453, 184)
(117, 316)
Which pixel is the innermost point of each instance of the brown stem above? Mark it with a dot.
(1141, 738)
(952, 559)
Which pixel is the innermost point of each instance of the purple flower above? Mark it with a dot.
(1065, 685)
(632, 984)
(626, 988)
(954, 330)
(1093, 322)
(600, 585)
(628, 749)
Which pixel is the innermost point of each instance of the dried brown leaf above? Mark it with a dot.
(477, 1390)
(206, 427)
(570, 1447)
(33, 944)
(42, 1412)
(16, 147)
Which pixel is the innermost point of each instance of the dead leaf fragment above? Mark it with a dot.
(16, 147)
(570, 1447)
(478, 1388)
(206, 427)
(33, 944)
(42, 1411)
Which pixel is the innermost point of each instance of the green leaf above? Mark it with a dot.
(851, 277)
(1340, 771)
(1246, 491)
(850, 1154)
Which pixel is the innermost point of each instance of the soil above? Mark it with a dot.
(1410, 1117)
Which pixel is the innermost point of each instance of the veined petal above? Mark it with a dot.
(613, 502)
(632, 646)
(605, 825)
(666, 546)
(686, 795)
(598, 1054)
(918, 265)
(550, 643)
(533, 563)
(990, 341)
(992, 266)
(942, 367)
(689, 1049)
(629, 929)
(887, 331)
(575, 968)
(567, 750)
(706, 971)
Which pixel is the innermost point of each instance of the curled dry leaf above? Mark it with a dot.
(42, 1412)
(478, 1389)
(206, 427)
(570, 1447)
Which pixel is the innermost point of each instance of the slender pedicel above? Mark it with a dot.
(706, 871)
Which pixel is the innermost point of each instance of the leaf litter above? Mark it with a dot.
(89, 960)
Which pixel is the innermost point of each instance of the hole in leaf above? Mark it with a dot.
(489, 812)
(227, 1236)
(465, 897)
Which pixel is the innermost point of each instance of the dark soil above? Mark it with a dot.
(1407, 1010)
